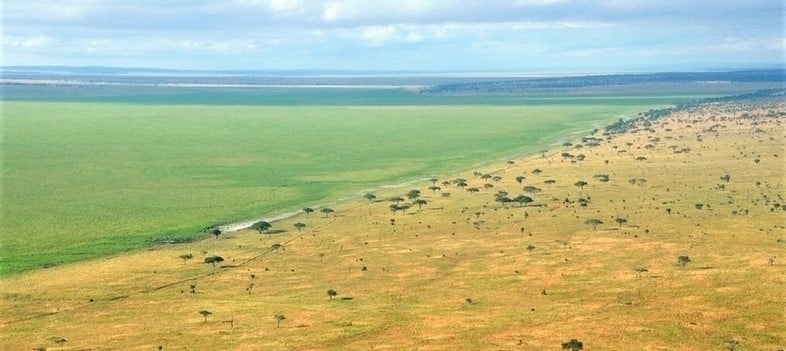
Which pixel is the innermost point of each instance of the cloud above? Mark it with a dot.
(740, 45)
(34, 42)
(352, 33)
(376, 10)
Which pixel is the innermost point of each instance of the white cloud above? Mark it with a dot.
(34, 42)
(52, 10)
(277, 6)
(369, 10)
(538, 2)
(739, 45)
(410, 33)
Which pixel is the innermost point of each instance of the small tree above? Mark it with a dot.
(216, 232)
(370, 197)
(433, 181)
(279, 318)
(299, 226)
(580, 184)
(522, 200)
(502, 199)
(434, 188)
(683, 260)
(413, 194)
(261, 226)
(549, 182)
(536, 171)
(420, 203)
(186, 257)
(205, 313)
(308, 210)
(531, 189)
(573, 345)
(593, 222)
(520, 179)
(327, 211)
(213, 260)
(620, 221)
(331, 294)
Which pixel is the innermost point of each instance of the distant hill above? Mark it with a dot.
(517, 86)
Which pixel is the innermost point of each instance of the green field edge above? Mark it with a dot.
(195, 232)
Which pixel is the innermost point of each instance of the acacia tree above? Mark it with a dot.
(299, 226)
(308, 210)
(394, 208)
(549, 182)
(327, 211)
(279, 318)
(434, 188)
(420, 203)
(573, 345)
(502, 199)
(522, 200)
(186, 257)
(213, 260)
(370, 197)
(433, 181)
(620, 221)
(216, 232)
(580, 184)
(205, 313)
(593, 222)
(331, 294)
(413, 194)
(520, 179)
(531, 189)
(261, 226)
(683, 260)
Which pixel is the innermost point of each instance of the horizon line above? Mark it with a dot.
(107, 69)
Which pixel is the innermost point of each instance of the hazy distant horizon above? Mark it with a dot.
(328, 72)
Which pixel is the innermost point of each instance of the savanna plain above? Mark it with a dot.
(659, 233)
(83, 180)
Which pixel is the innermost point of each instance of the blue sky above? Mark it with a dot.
(446, 35)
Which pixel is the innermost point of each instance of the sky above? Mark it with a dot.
(398, 35)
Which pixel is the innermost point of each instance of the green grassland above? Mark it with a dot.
(82, 180)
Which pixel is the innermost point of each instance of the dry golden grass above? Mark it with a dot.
(574, 282)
